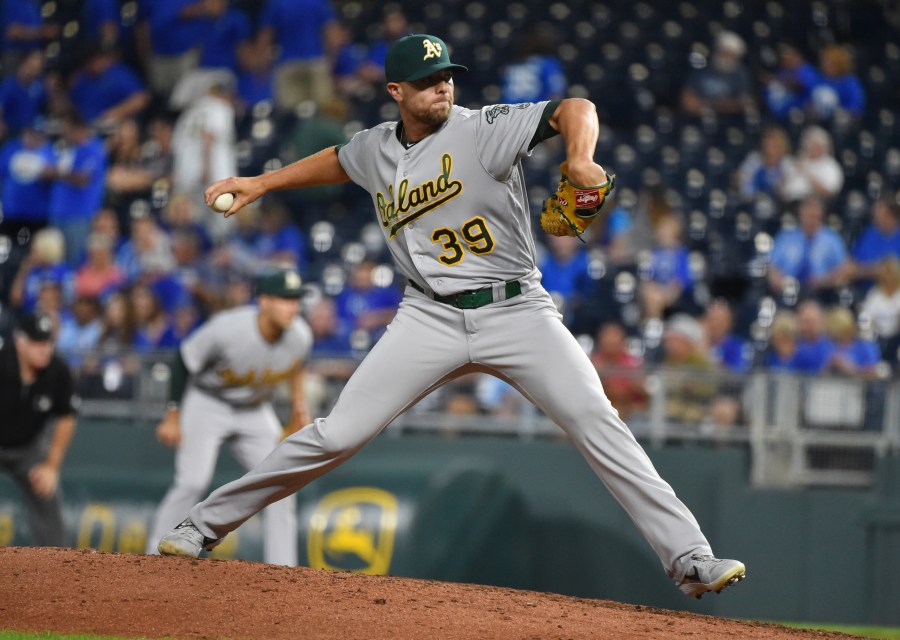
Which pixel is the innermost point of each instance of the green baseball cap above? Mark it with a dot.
(417, 56)
(283, 284)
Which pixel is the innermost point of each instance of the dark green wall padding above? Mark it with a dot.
(524, 514)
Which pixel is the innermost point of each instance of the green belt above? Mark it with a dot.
(472, 299)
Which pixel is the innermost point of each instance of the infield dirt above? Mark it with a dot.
(84, 591)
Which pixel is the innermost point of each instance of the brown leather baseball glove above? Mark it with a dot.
(573, 208)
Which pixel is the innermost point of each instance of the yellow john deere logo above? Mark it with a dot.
(432, 49)
(353, 530)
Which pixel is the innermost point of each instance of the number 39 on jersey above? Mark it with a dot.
(474, 234)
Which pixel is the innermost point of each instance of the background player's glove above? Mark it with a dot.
(573, 208)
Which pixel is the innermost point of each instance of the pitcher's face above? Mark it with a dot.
(427, 100)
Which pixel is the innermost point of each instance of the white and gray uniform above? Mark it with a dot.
(456, 218)
(234, 372)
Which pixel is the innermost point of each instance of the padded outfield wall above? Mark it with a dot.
(526, 514)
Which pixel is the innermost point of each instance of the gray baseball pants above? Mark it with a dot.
(522, 340)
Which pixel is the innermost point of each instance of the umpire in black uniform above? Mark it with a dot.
(35, 387)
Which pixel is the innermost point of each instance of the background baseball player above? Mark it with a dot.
(234, 362)
(448, 190)
(36, 391)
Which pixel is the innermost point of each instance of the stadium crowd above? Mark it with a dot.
(755, 221)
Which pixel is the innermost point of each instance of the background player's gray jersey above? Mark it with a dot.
(447, 225)
(229, 359)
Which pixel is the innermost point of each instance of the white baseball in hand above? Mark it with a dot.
(223, 202)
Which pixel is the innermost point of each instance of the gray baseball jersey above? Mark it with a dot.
(455, 214)
(229, 359)
(445, 251)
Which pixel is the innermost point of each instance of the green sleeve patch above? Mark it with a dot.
(178, 378)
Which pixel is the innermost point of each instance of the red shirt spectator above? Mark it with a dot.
(619, 370)
(99, 273)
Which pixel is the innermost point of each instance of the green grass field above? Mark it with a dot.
(882, 633)
(16, 635)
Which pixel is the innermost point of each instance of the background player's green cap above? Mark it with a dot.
(284, 284)
(417, 56)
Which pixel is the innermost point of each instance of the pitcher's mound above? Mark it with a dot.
(84, 591)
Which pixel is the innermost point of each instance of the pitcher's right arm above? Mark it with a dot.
(322, 168)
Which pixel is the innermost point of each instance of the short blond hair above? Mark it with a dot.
(840, 323)
(49, 245)
(784, 323)
(815, 133)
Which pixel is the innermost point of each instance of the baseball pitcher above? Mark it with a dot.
(448, 190)
(230, 367)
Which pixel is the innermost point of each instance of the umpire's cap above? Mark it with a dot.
(417, 56)
(283, 284)
(37, 326)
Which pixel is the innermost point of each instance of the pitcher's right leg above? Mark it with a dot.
(204, 426)
(422, 347)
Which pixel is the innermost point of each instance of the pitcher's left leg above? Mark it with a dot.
(539, 354)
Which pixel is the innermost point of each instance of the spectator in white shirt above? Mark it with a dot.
(203, 145)
(814, 170)
(882, 303)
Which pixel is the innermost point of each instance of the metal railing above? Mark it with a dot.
(799, 430)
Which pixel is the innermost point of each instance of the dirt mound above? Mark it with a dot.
(83, 591)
